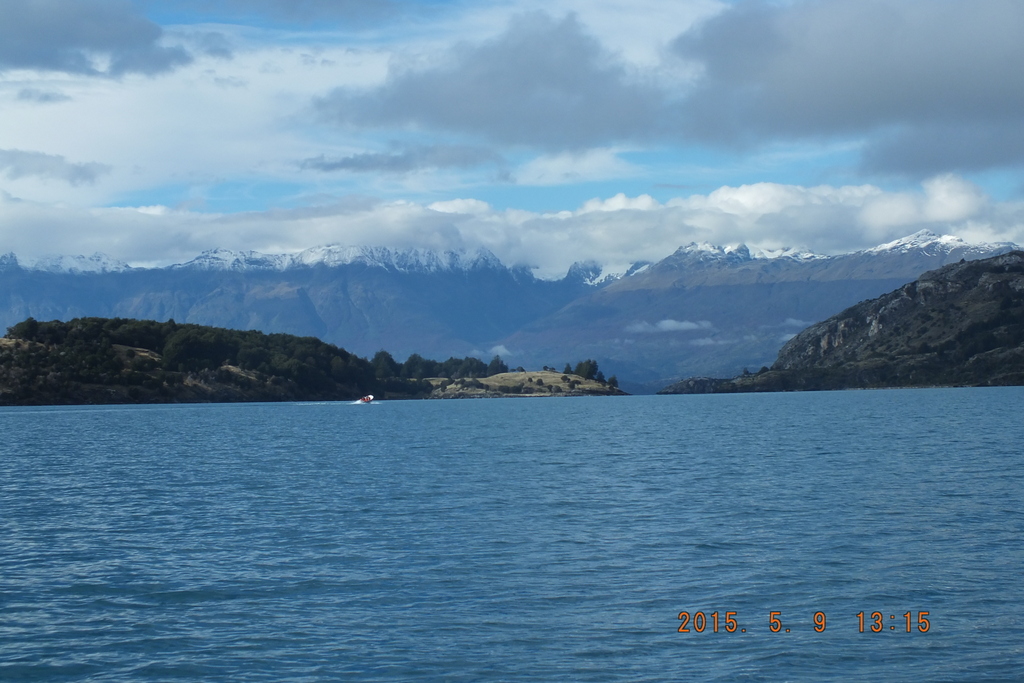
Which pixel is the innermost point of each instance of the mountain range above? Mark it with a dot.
(703, 310)
(959, 325)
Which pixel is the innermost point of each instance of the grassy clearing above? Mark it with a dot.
(538, 383)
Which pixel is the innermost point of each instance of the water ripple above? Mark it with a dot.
(515, 540)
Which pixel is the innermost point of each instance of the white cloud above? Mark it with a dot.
(824, 219)
(951, 198)
(184, 128)
(620, 202)
(669, 325)
(574, 167)
(468, 206)
(946, 199)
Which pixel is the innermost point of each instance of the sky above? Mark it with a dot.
(547, 132)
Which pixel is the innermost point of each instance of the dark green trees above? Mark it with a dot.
(384, 366)
(586, 369)
(99, 351)
(496, 366)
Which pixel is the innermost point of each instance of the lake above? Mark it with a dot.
(518, 539)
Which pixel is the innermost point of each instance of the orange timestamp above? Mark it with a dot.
(699, 622)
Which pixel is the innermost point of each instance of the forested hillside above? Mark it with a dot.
(119, 360)
(98, 360)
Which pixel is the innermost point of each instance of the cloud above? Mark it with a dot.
(620, 202)
(920, 88)
(16, 164)
(543, 83)
(466, 206)
(762, 216)
(41, 96)
(669, 325)
(574, 167)
(299, 11)
(213, 43)
(412, 159)
(946, 199)
(923, 149)
(94, 37)
(934, 86)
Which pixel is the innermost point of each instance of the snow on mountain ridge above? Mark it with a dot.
(706, 252)
(225, 259)
(333, 255)
(923, 240)
(421, 260)
(588, 272)
(794, 253)
(928, 241)
(55, 263)
(401, 260)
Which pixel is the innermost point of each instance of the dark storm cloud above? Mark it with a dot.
(66, 35)
(416, 158)
(16, 163)
(908, 73)
(920, 150)
(543, 83)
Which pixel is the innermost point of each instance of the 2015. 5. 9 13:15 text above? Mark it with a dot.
(865, 622)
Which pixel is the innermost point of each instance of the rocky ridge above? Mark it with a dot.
(959, 325)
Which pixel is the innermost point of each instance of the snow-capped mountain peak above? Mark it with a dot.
(922, 239)
(706, 252)
(588, 272)
(928, 242)
(333, 255)
(400, 260)
(793, 253)
(97, 263)
(225, 259)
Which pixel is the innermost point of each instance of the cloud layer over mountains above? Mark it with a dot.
(546, 132)
(615, 232)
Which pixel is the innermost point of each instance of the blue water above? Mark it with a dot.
(515, 539)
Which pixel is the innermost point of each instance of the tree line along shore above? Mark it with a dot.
(119, 360)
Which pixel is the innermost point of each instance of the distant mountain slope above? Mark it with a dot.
(702, 310)
(415, 301)
(962, 324)
(708, 310)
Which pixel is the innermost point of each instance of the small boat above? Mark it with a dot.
(366, 399)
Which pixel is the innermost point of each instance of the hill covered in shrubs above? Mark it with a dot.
(99, 360)
(120, 360)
